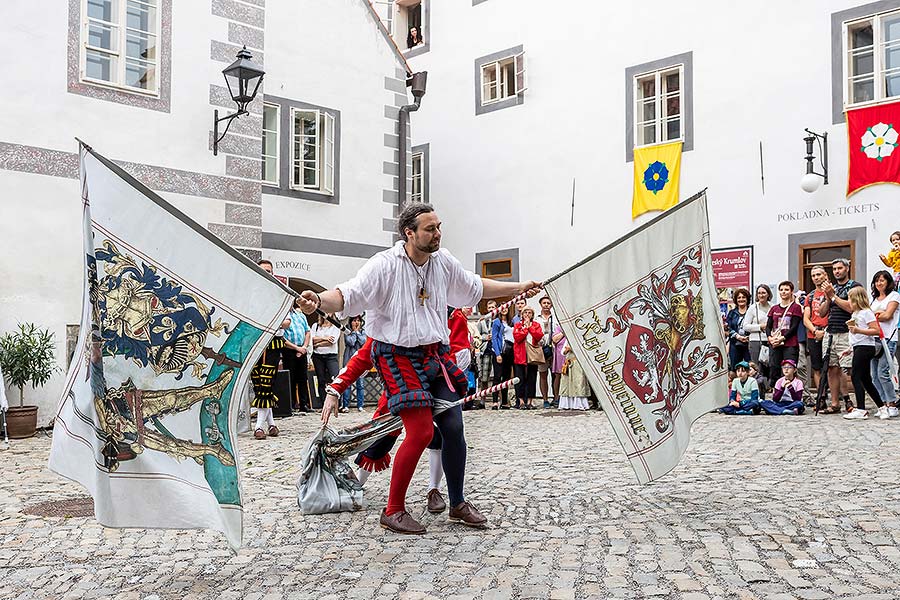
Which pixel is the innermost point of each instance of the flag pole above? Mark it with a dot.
(385, 418)
(627, 236)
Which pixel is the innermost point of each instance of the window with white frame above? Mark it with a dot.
(121, 43)
(312, 160)
(872, 58)
(270, 166)
(502, 79)
(658, 100)
(418, 163)
(385, 10)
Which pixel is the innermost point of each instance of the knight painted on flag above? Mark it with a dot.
(643, 320)
(166, 346)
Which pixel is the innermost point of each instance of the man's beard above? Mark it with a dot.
(428, 247)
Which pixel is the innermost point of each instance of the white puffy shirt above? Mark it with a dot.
(386, 288)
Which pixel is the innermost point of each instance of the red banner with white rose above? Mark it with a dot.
(872, 137)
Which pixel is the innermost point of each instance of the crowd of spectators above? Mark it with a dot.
(823, 345)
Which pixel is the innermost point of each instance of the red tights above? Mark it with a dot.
(419, 427)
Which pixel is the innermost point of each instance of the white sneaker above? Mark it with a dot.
(883, 413)
(893, 411)
(856, 414)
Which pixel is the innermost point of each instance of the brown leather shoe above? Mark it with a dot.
(273, 431)
(468, 515)
(436, 502)
(259, 434)
(401, 522)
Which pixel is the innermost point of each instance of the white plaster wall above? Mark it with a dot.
(41, 228)
(345, 72)
(38, 111)
(761, 73)
(327, 271)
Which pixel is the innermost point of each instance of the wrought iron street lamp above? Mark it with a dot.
(243, 78)
(810, 182)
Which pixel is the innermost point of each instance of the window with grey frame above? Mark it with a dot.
(500, 80)
(416, 193)
(120, 44)
(312, 151)
(659, 103)
(300, 154)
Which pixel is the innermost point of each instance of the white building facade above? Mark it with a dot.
(139, 80)
(524, 103)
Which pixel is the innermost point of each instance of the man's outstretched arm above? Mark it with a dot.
(500, 289)
(332, 301)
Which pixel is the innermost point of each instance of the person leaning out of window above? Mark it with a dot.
(738, 337)
(414, 38)
(755, 325)
(781, 330)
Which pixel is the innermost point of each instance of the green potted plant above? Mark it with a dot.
(26, 356)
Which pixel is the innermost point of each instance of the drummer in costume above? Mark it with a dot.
(263, 375)
(405, 291)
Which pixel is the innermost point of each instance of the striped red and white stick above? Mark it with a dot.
(523, 296)
(380, 421)
(488, 391)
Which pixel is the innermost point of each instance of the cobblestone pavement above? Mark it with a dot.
(761, 507)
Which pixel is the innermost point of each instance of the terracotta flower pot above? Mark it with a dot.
(21, 421)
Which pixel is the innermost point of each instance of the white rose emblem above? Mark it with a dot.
(879, 141)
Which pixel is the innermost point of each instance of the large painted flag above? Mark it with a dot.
(642, 318)
(657, 170)
(173, 320)
(872, 136)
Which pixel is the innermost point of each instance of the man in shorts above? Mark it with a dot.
(837, 339)
(815, 324)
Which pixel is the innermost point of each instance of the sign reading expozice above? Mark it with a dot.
(642, 319)
(733, 267)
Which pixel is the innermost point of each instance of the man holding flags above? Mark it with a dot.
(405, 290)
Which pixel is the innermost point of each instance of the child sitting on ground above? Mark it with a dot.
(787, 397)
(761, 380)
(744, 397)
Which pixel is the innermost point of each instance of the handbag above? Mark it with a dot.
(548, 349)
(764, 355)
(534, 354)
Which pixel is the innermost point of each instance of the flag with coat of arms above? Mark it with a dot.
(642, 319)
(173, 321)
(657, 170)
(873, 138)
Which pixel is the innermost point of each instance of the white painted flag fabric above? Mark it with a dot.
(642, 319)
(173, 321)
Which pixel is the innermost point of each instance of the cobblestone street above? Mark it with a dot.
(760, 507)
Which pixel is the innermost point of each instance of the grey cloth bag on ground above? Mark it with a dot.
(326, 484)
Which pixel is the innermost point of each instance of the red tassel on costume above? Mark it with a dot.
(374, 466)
